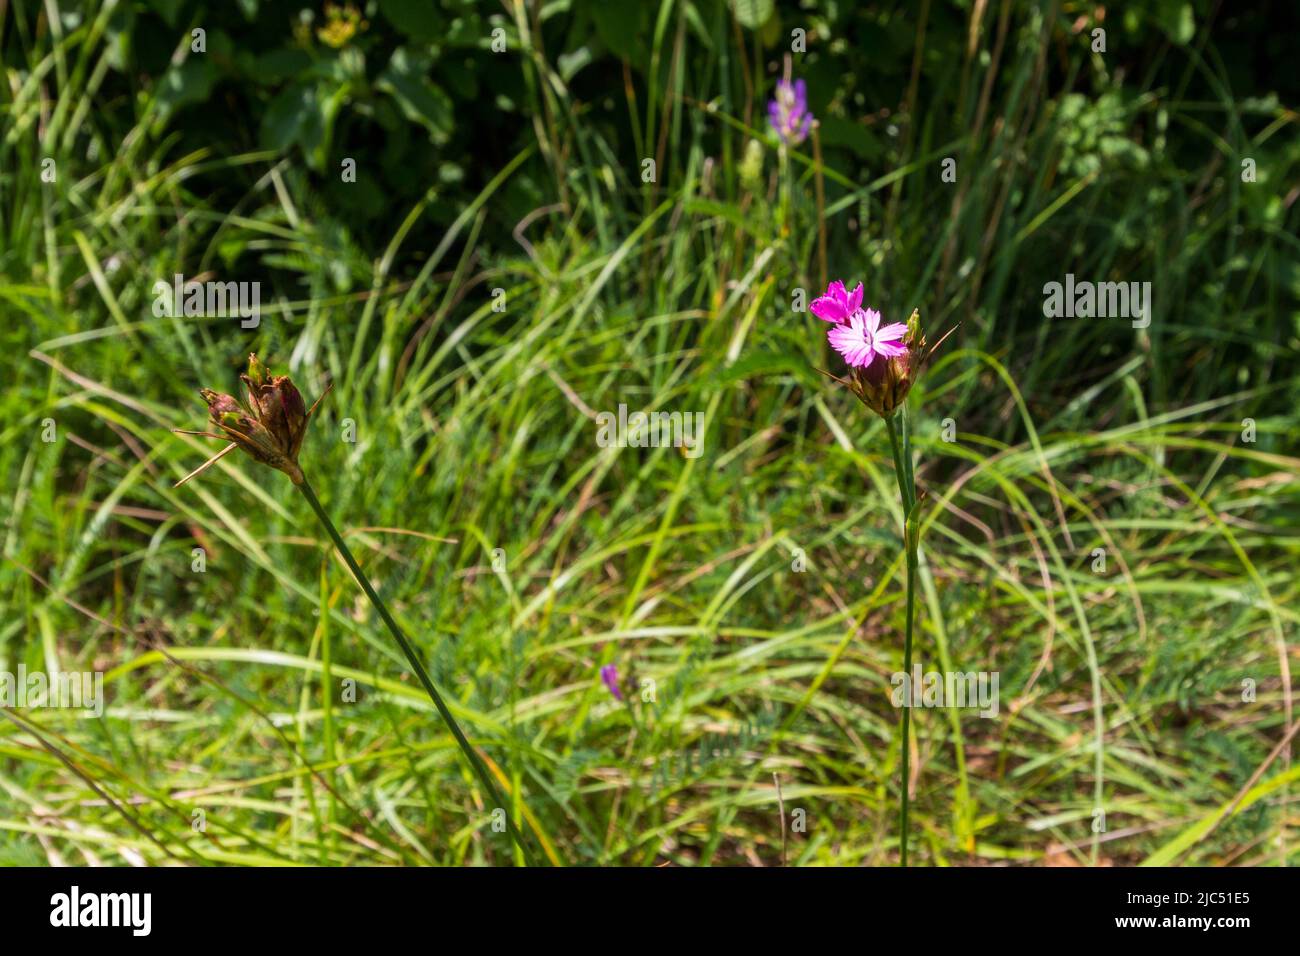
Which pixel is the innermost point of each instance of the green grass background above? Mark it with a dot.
(229, 702)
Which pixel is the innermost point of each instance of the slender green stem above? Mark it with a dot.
(905, 439)
(470, 753)
(900, 472)
(907, 710)
(787, 189)
(821, 204)
(907, 490)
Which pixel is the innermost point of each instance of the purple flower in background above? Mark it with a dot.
(789, 112)
(609, 674)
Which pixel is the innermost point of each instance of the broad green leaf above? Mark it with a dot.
(406, 80)
(752, 14)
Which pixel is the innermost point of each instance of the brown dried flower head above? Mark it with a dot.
(269, 426)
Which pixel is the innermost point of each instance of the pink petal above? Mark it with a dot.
(843, 337)
(855, 298)
(849, 343)
(828, 309)
(889, 349)
(836, 291)
(871, 321)
(891, 332)
(860, 359)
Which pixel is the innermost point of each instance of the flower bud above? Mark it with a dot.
(256, 371)
(883, 385)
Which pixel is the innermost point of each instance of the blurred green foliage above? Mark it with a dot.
(416, 93)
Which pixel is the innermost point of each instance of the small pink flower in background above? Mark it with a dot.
(609, 674)
(857, 334)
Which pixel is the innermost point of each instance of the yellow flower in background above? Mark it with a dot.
(341, 25)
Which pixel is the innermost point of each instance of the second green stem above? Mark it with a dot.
(907, 490)
(470, 753)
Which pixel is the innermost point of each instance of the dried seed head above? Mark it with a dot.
(271, 426)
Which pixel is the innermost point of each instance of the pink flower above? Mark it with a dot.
(857, 334)
(837, 305)
(609, 675)
(862, 339)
